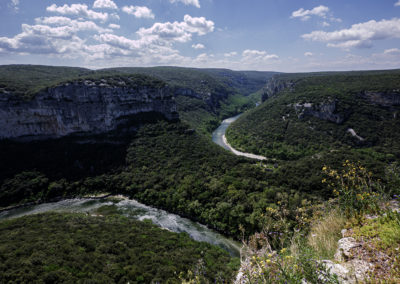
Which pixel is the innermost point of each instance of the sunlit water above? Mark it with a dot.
(217, 135)
(132, 209)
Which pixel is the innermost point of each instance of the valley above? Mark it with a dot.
(189, 150)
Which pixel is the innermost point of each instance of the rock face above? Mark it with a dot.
(275, 86)
(81, 107)
(391, 98)
(325, 111)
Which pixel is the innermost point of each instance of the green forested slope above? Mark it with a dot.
(204, 96)
(276, 129)
(165, 165)
(77, 248)
(302, 143)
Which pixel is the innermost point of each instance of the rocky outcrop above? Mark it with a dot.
(85, 106)
(324, 111)
(388, 99)
(274, 86)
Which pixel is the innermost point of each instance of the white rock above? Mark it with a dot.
(344, 246)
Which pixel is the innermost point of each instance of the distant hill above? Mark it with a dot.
(313, 119)
(204, 96)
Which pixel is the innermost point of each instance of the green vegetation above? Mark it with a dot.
(302, 144)
(165, 165)
(275, 129)
(77, 248)
(305, 257)
(204, 96)
(27, 80)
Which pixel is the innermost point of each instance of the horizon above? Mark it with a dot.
(200, 68)
(301, 37)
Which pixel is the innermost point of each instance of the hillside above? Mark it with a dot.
(203, 96)
(71, 247)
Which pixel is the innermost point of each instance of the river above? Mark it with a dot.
(218, 137)
(132, 209)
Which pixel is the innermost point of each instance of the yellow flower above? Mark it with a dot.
(283, 250)
(268, 261)
(324, 180)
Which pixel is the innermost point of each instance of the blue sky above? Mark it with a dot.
(279, 35)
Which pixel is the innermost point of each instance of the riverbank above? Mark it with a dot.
(238, 153)
(132, 209)
(219, 138)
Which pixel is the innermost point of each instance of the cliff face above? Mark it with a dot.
(81, 107)
(391, 98)
(324, 111)
(275, 86)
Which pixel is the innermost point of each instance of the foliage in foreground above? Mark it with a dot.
(305, 248)
(77, 248)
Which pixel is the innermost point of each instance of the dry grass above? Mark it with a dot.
(326, 232)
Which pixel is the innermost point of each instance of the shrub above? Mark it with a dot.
(357, 193)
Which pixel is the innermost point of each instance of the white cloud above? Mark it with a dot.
(138, 11)
(397, 4)
(187, 2)
(67, 22)
(118, 41)
(105, 4)
(308, 54)
(198, 46)
(325, 24)
(198, 25)
(359, 35)
(14, 4)
(114, 26)
(42, 39)
(257, 55)
(304, 15)
(230, 54)
(392, 51)
(79, 10)
(177, 31)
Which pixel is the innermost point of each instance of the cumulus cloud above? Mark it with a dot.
(304, 15)
(74, 24)
(118, 41)
(253, 55)
(41, 39)
(198, 25)
(187, 2)
(397, 4)
(138, 11)
(230, 54)
(177, 31)
(198, 46)
(61, 36)
(359, 35)
(114, 26)
(79, 10)
(308, 54)
(105, 4)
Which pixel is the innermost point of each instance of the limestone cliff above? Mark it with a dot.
(276, 85)
(82, 106)
(324, 111)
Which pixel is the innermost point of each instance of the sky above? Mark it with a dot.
(268, 35)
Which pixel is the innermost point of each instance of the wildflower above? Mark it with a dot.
(324, 180)
(283, 250)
